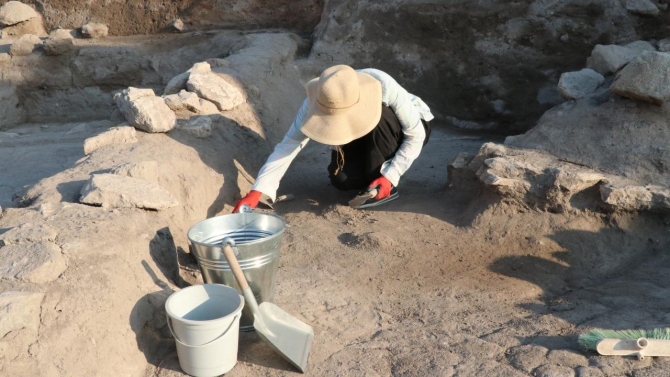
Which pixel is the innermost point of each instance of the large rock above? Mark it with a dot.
(643, 7)
(647, 78)
(25, 45)
(39, 262)
(212, 87)
(116, 135)
(178, 83)
(28, 233)
(146, 170)
(637, 198)
(19, 311)
(618, 136)
(537, 179)
(62, 34)
(145, 111)
(58, 46)
(641, 46)
(610, 58)
(94, 30)
(116, 191)
(573, 85)
(183, 101)
(14, 12)
(33, 26)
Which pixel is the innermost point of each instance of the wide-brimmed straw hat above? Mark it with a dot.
(344, 105)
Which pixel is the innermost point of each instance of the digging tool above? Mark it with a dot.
(364, 196)
(270, 204)
(287, 335)
(638, 343)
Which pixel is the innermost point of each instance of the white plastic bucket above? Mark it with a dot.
(205, 321)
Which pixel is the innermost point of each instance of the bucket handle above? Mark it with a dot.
(169, 322)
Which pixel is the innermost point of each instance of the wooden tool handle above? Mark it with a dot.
(235, 267)
(634, 347)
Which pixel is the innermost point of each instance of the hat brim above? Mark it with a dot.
(354, 123)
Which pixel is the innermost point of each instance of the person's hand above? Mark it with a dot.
(383, 187)
(251, 200)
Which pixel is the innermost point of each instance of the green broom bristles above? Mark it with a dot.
(590, 339)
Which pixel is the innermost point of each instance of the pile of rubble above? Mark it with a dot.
(22, 23)
(110, 220)
(191, 96)
(607, 148)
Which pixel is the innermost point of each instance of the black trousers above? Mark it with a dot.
(364, 157)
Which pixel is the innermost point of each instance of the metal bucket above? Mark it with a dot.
(257, 238)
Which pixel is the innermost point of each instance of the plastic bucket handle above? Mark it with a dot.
(169, 322)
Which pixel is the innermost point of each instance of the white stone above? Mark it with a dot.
(25, 45)
(183, 101)
(115, 135)
(94, 30)
(611, 58)
(28, 233)
(643, 7)
(146, 170)
(115, 191)
(627, 198)
(14, 12)
(178, 25)
(143, 110)
(574, 85)
(19, 310)
(200, 127)
(647, 78)
(215, 89)
(641, 46)
(39, 262)
(178, 83)
(33, 26)
(636, 198)
(201, 67)
(62, 34)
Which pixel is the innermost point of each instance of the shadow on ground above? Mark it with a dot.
(612, 278)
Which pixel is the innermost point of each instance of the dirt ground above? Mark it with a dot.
(435, 284)
(445, 281)
(441, 282)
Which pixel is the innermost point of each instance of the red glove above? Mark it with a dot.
(383, 187)
(251, 200)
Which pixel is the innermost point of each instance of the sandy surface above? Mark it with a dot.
(433, 284)
(439, 282)
(442, 282)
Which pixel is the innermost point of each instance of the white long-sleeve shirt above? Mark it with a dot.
(409, 109)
